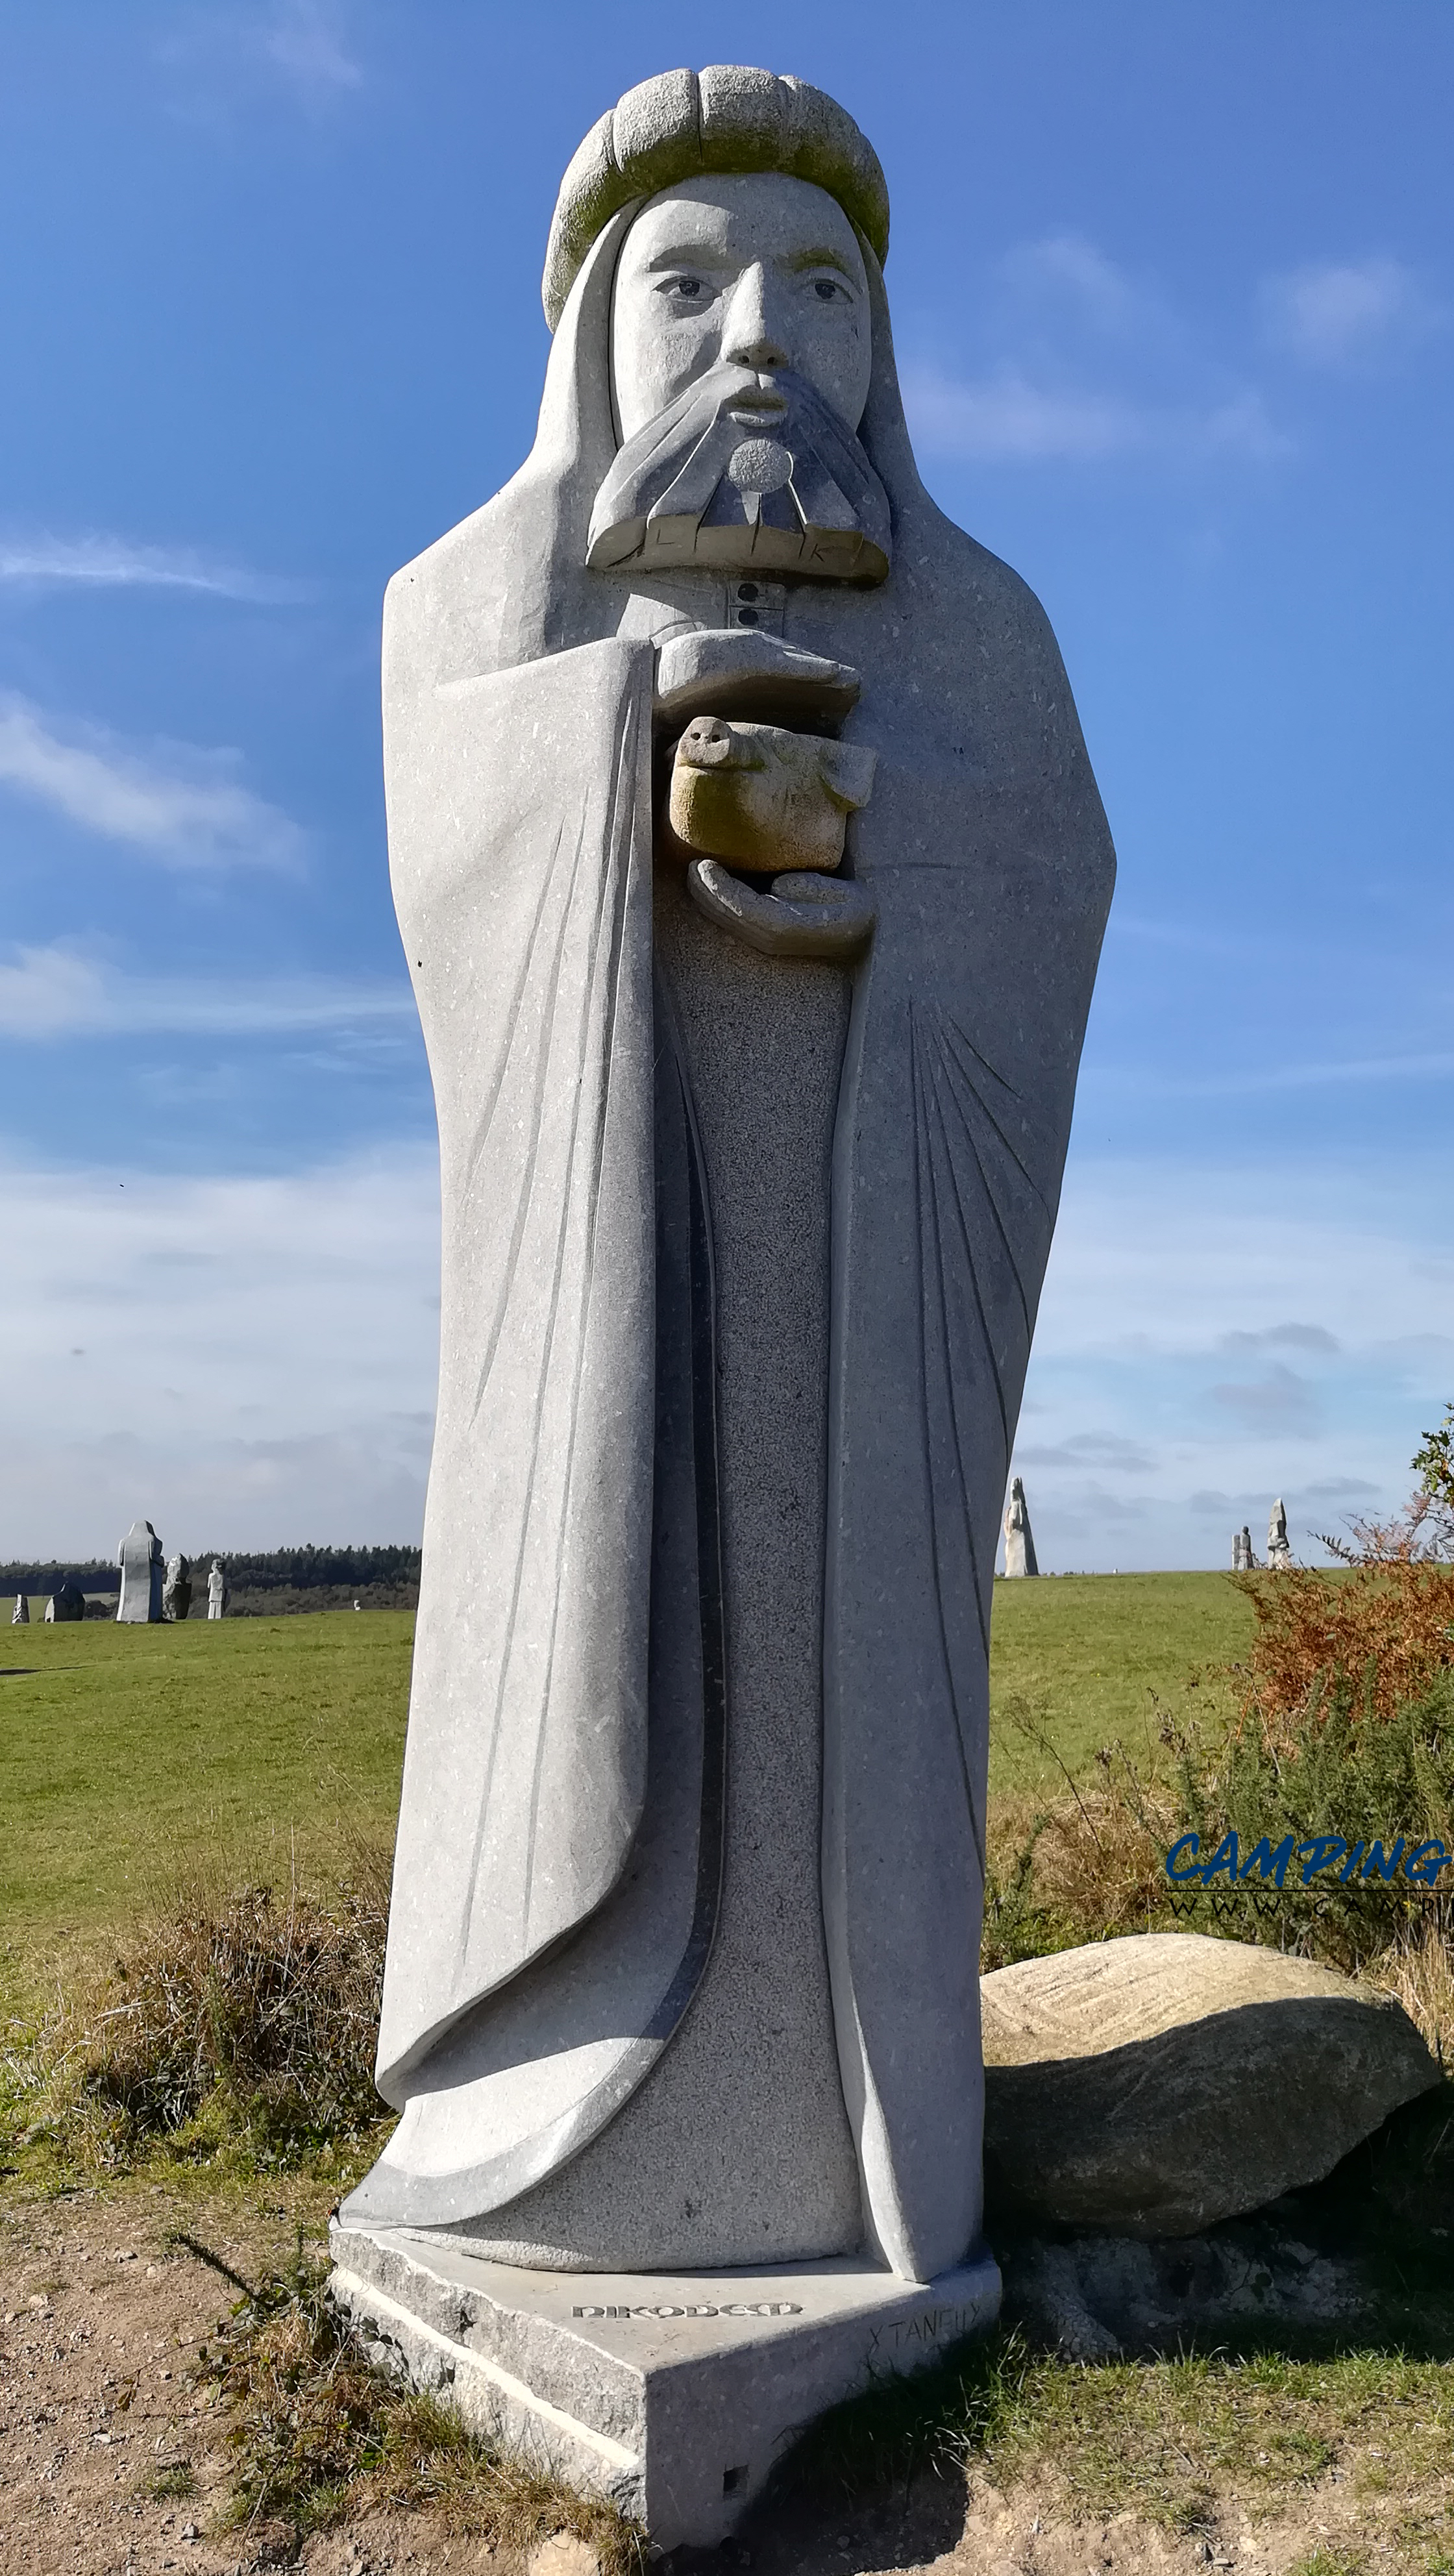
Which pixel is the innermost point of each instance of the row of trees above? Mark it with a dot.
(279, 1569)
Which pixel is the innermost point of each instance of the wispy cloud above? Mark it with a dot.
(185, 807)
(1250, 1332)
(1010, 417)
(244, 1361)
(307, 41)
(1333, 313)
(1287, 1337)
(1085, 1449)
(113, 563)
(1434, 1066)
(1064, 315)
(57, 992)
(302, 47)
(1280, 1402)
(1066, 265)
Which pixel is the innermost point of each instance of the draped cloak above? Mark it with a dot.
(560, 1835)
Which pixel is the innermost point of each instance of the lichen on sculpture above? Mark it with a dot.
(753, 878)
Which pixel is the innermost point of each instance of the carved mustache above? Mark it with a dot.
(696, 486)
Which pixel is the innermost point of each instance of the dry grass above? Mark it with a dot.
(1418, 1971)
(1087, 1864)
(259, 2007)
(320, 2437)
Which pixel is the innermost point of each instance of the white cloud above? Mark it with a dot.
(58, 992)
(244, 1362)
(307, 42)
(1005, 415)
(43, 560)
(1334, 312)
(1163, 1273)
(1067, 264)
(224, 51)
(186, 807)
(1008, 416)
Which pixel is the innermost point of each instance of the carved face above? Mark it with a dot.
(761, 274)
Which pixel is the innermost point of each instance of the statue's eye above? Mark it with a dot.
(689, 288)
(825, 288)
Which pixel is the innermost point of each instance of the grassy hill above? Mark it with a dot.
(248, 1748)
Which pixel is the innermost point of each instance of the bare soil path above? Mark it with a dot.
(115, 2458)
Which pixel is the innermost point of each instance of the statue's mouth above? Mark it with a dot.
(752, 405)
(745, 472)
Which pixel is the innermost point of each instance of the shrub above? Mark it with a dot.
(1373, 1635)
(1092, 1864)
(265, 2008)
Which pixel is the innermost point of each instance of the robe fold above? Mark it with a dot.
(560, 1844)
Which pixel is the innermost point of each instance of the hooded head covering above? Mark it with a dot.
(728, 118)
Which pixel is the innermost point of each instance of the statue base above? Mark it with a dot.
(673, 2394)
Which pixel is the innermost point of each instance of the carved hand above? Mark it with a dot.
(805, 914)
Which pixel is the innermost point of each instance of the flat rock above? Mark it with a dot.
(1150, 2086)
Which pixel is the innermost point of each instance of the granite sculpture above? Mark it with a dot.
(66, 1603)
(1019, 1537)
(141, 1559)
(753, 876)
(20, 1615)
(177, 1589)
(218, 1594)
(1279, 1548)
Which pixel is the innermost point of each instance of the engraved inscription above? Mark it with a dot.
(750, 2308)
(930, 2326)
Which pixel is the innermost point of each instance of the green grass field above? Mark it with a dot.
(131, 1755)
(1092, 1655)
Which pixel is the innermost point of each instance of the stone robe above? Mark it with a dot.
(741, 1261)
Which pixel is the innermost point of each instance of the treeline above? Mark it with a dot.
(279, 1569)
(89, 1572)
(313, 1569)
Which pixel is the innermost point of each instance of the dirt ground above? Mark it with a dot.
(114, 2461)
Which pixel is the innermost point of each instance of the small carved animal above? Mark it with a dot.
(763, 798)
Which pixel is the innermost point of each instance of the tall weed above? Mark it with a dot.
(260, 2007)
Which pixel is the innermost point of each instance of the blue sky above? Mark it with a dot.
(1174, 298)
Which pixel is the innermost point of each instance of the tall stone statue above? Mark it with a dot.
(752, 876)
(20, 1615)
(142, 1562)
(1019, 1538)
(1279, 1548)
(218, 1594)
(177, 1589)
(68, 1602)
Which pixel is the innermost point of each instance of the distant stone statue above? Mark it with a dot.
(20, 1615)
(1019, 1539)
(177, 1589)
(1243, 1560)
(140, 1558)
(67, 1602)
(218, 1594)
(1279, 1553)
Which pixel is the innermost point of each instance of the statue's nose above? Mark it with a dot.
(752, 336)
(707, 743)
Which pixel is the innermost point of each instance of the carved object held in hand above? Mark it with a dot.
(764, 798)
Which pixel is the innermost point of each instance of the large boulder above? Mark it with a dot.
(1147, 2087)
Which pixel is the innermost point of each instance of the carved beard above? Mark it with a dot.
(795, 494)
